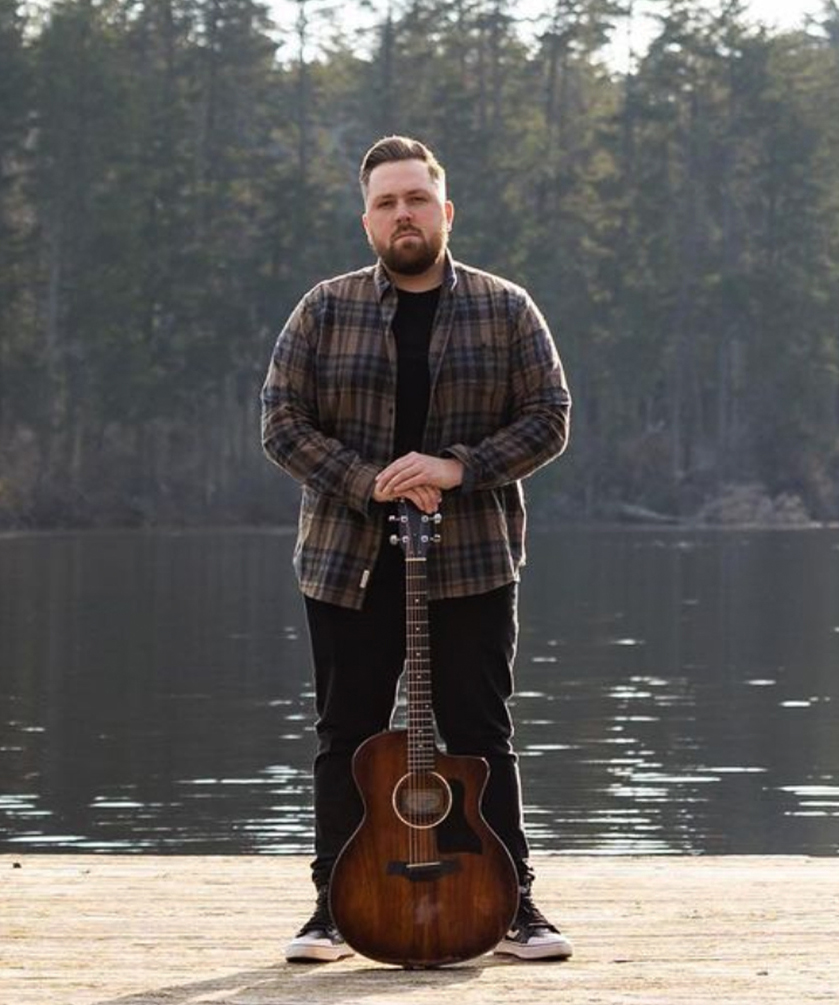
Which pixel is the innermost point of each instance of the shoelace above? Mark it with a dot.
(529, 915)
(321, 920)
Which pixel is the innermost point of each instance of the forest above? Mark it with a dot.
(175, 174)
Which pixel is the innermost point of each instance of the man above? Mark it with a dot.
(424, 379)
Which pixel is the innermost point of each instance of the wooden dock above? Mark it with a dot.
(154, 930)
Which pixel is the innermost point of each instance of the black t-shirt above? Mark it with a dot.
(412, 329)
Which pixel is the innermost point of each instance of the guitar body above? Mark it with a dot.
(424, 881)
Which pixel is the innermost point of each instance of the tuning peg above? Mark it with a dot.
(437, 518)
(436, 539)
(394, 539)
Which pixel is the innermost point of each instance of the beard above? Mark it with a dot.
(412, 258)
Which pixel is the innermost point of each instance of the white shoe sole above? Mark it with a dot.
(309, 952)
(555, 949)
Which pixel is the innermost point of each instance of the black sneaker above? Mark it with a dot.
(532, 936)
(318, 941)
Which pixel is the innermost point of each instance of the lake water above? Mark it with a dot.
(677, 692)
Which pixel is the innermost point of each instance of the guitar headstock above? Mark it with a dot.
(416, 531)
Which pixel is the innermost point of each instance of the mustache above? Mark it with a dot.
(405, 231)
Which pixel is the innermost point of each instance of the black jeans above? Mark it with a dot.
(358, 657)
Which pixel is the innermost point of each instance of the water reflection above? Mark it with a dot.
(677, 693)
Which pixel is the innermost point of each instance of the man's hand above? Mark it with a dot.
(413, 470)
(419, 478)
(425, 497)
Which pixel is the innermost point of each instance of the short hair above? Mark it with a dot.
(399, 148)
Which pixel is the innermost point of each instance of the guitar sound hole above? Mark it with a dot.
(422, 799)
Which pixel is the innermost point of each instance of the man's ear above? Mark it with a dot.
(448, 207)
(366, 226)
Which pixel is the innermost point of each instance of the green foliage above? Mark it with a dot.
(175, 173)
(16, 82)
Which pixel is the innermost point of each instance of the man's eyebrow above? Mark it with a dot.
(408, 192)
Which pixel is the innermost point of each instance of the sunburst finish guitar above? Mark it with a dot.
(423, 881)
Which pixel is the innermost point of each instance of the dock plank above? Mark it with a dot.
(179, 930)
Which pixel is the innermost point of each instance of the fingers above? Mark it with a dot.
(414, 470)
(426, 498)
(407, 472)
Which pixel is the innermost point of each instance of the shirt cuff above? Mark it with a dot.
(464, 455)
(359, 485)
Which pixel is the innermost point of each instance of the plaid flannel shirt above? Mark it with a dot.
(499, 403)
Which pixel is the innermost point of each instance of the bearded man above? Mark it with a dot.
(422, 379)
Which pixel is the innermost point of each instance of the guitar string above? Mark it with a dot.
(419, 835)
(421, 725)
(414, 736)
(411, 794)
(420, 742)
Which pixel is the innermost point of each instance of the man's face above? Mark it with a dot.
(407, 217)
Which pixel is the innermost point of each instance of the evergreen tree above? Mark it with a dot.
(16, 334)
(174, 174)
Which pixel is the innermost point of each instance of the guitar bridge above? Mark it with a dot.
(423, 872)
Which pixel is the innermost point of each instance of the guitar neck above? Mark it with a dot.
(421, 746)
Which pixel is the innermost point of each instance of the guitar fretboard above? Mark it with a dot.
(421, 747)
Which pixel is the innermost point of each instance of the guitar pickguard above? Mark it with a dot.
(455, 834)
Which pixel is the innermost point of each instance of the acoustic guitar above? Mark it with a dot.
(423, 881)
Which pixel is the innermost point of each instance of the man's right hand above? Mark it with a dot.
(426, 498)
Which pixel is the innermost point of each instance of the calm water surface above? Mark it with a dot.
(677, 692)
